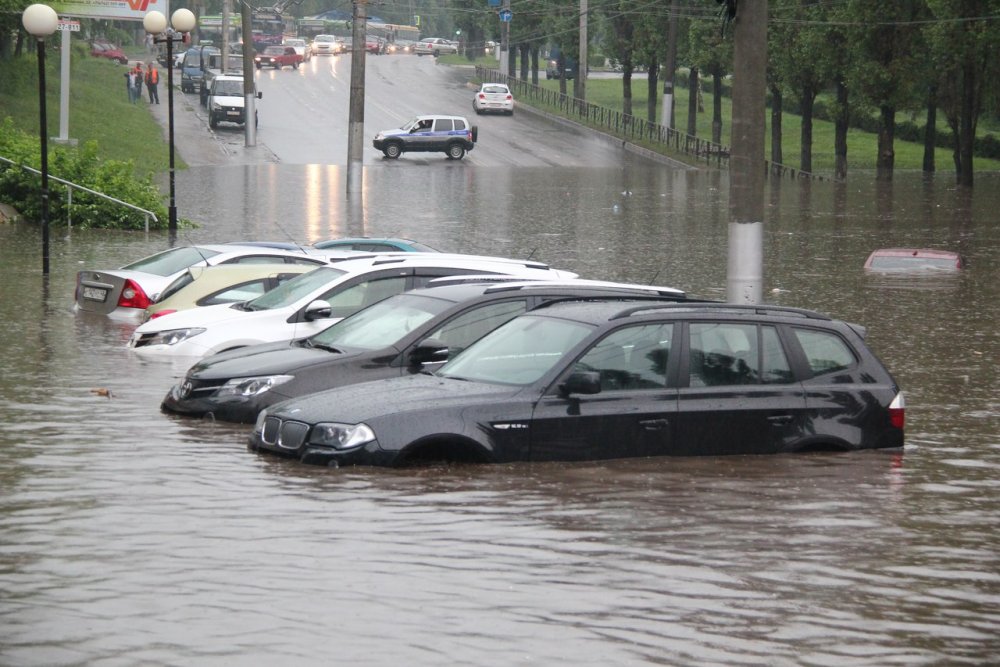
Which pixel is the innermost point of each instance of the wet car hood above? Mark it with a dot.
(266, 359)
(370, 400)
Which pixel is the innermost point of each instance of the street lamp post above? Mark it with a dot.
(41, 21)
(155, 23)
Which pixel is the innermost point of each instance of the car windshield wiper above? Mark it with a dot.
(324, 346)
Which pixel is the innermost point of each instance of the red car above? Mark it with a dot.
(278, 57)
(102, 49)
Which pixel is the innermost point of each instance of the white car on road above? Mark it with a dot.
(312, 301)
(434, 46)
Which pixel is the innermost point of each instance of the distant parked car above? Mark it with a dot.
(581, 381)
(223, 283)
(913, 259)
(493, 97)
(103, 49)
(125, 293)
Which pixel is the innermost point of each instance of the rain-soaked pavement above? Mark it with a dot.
(128, 537)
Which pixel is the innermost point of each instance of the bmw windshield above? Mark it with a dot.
(380, 325)
(298, 287)
(519, 352)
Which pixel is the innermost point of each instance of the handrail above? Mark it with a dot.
(69, 195)
(627, 125)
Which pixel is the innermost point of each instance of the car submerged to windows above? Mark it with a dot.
(593, 381)
(402, 335)
(312, 301)
(126, 292)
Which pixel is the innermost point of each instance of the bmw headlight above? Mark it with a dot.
(174, 336)
(341, 436)
(251, 386)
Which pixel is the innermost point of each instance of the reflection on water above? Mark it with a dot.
(131, 537)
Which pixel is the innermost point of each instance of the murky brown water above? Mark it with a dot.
(129, 537)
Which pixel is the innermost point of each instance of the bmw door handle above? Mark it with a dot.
(780, 420)
(654, 424)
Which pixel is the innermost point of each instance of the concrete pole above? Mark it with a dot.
(581, 66)
(505, 41)
(356, 109)
(744, 282)
(249, 89)
(64, 88)
(671, 67)
(225, 35)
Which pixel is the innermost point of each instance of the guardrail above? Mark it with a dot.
(70, 186)
(625, 125)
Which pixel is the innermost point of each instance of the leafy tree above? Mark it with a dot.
(712, 54)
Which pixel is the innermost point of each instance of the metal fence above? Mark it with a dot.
(70, 187)
(625, 125)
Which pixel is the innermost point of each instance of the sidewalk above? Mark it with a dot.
(194, 143)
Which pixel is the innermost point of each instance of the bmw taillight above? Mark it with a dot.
(132, 296)
(897, 412)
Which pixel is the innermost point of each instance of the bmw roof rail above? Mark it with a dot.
(722, 307)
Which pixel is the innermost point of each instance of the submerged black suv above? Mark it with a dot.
(601, 380)
(402, 335)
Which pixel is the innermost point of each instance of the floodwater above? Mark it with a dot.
(129, 537)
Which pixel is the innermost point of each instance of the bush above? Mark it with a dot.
(82, 166)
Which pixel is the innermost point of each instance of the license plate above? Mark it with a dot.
(95, 293)
(232, 113)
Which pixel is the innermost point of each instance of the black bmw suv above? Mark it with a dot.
(601, 380)
(402, 335)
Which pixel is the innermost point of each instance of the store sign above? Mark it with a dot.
(134, 10)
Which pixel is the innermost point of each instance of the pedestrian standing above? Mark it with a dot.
(129, 87)
(138, 81)
(152, 83)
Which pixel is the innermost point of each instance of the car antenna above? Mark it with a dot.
(531, 254)
(194, 246)
(284, 231)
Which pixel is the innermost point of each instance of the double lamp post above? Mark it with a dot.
(41, 21)
(181, 22)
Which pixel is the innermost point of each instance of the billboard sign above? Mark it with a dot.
(133, 10)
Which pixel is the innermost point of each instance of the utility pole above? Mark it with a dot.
(671, 67)
(249, 94)
(744, 276)
(505, 39)
(225, 35)
(356, 112)
(581, 66)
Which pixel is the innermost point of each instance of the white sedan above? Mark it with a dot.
(326, 45)
(493, 97)
(434, 46)
(301, 46)
(312, 301)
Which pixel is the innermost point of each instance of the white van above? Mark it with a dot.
(226, 101)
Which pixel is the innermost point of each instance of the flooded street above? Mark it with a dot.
(129, 537)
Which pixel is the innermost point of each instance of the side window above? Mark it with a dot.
(460, 125)
(243, 292)
(361, 295)
(631, 358)
(460, 332)
(722, 354)
(826, 352)
(774, 364)
(443, 125)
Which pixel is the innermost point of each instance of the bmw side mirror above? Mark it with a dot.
(316, 310)
(428, 351)
(581, 382)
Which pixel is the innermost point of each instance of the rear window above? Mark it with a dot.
(171, 261)
(826, 352)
